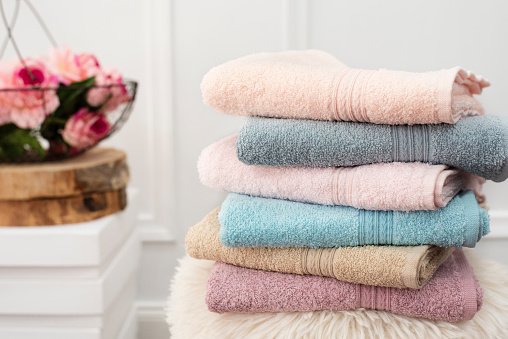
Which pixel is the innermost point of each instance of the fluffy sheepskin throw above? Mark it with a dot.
(188, 316)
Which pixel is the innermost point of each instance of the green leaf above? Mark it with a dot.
(64, 90)
(16, 142)
(85, 83)
(6, 129)
(72, 97)
(34, 144)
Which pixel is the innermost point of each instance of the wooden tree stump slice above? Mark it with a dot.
(65, 210)
(97, 170)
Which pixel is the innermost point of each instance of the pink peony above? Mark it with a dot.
(85, 129)
(71, 67)
(111, 93)
(5, 110)
(27, 106)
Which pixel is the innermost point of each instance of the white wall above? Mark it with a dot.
(169, 45)
(364, 34)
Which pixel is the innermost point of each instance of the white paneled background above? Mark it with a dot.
(169, 45)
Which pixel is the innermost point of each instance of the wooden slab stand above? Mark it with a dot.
(58, 211)
(83, 188)
(99, 169)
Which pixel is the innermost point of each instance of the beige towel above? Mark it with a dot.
(392, 266)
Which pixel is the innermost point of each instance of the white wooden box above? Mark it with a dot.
(118, 322)
(72, 281)
(82, 245)
(55, 294)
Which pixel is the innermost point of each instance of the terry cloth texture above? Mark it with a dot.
(384, 186)
(391, 266)
(452, 294)
(188, 315)
(478, 145)
(314, 85)
(248, 221)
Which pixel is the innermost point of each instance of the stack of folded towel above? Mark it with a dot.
(349, 188)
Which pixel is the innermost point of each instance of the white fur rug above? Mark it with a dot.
(188, 315)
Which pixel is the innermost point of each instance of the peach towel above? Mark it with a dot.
(383, 186)
(390, 266)
(314, 85)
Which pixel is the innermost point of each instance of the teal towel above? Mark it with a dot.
(478, 145)
(248, 221)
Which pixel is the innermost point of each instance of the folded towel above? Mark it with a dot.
(388, 186)
(188, 315)
(314, 85)
(391, 266)
(478, 145)
(452, 294)
(248, 221)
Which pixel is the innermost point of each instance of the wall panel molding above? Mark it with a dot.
(157, 187)
(498, 225)
(295, 24)
(154, 233)
(151, 311)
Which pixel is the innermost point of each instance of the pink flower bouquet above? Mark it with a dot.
(59, 105)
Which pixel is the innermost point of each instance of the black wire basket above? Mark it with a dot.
(43, 123)
(47, 141)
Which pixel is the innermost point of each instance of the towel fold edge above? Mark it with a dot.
(471, 298)
(424, 260)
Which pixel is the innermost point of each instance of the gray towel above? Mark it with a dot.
(478, 145)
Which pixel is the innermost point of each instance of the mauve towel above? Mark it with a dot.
(478, 145)
(384, 186)
(248, 221)
(391, 266)
(314, 85)
(452, 294)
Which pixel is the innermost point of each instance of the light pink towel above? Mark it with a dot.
(452, 294)
(314, 85)
(387, 186)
